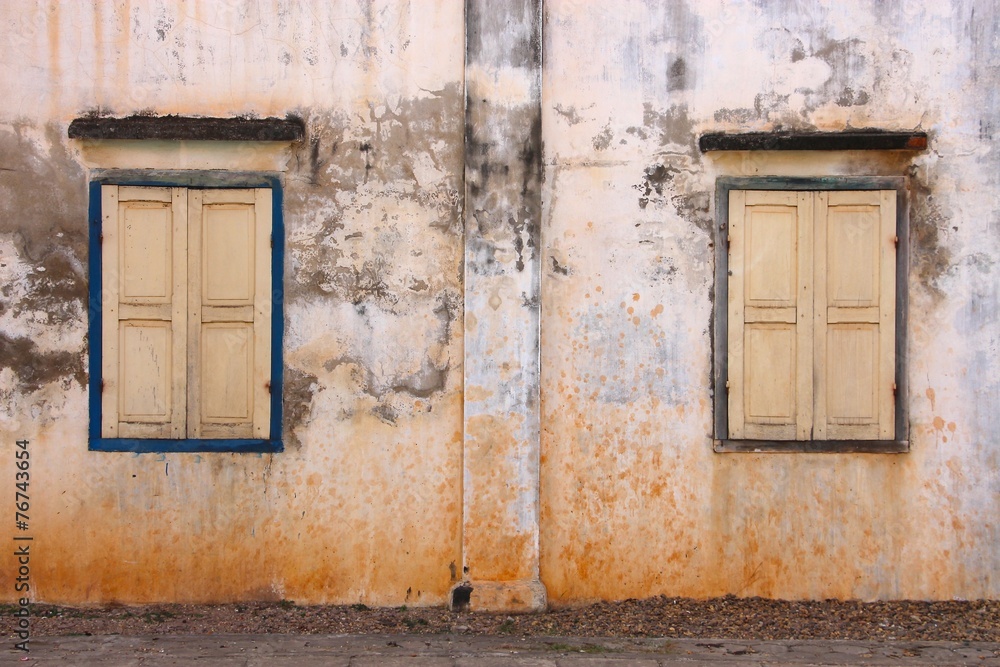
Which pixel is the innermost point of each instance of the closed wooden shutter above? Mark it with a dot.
(770, 315)
(229, 313)
(186, 313)
(811, 315)
(144, 273)
(855, 315)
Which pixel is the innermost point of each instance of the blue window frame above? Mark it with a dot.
(191, 180)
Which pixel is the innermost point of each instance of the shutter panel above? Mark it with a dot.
(770, 315)
(144, 271)
(229, 326)
(855, 315)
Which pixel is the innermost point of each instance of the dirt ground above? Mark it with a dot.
(728, 617)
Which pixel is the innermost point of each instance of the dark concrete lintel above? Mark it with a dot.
(814, 446)
(188, 128)
(853, 140)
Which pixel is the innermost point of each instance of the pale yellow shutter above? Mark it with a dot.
(144, 273)
(855, 315)
(770, 315)
(230, 307)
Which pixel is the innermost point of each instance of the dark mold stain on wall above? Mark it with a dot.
(695, 207)
(43, 195)
(679, 35)
(503, 179)
(671, 126)
(849, 63)
(43, 210)
(505, 182)
(297, 394)
(654, 180)
(677, 75)
(672, 179)
(603, 139)
(36, 368)
(930, 259)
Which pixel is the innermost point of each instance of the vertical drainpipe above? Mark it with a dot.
(503, 178)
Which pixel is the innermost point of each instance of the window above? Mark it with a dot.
(186, 318)
(810, 354)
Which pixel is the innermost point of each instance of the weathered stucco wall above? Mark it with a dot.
(417, 224)
(365, 502)
(634, 501)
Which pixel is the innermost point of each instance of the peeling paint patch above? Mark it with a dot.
(424, 382)
(849, 97)
(603, 139)
(569, 113)
(737, 117)
(56, 288)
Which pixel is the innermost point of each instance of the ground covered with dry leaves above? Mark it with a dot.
(729, 617)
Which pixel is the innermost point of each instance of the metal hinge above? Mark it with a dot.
(267, 385)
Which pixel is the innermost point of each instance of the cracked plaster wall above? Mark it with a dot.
(634, 501)
(365, 502)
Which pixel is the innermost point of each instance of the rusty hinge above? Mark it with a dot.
(893, 388)
(895, 240)
(100, 238)
(727, 386)
(272, 240)
(267, 385)
(102, 386)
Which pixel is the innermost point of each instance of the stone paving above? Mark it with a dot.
(227, 650)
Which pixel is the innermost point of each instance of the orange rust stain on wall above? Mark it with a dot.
(55, 53)
(142, 551)
(374, 519)
(609, 521)
(495, 549)
(628, 511)
(395, 526)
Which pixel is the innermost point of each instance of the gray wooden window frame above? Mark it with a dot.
(720, 371)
